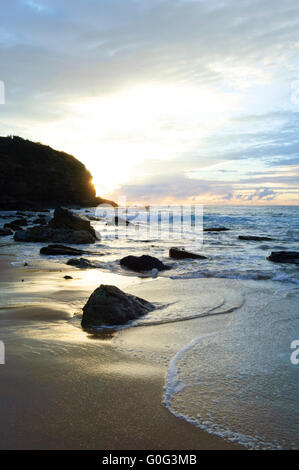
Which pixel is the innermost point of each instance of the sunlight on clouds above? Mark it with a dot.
(143, 122)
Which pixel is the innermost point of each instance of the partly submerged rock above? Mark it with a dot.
(216, 229)
(284, 257)
(118, 221)
(180, 253)
(108, 306)
(60, 250)
(4, 232)
(46, 234)
(66, 219)
(254, 238)
(142, 263)
(82, 263)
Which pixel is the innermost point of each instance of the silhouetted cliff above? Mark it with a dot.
(32, 174)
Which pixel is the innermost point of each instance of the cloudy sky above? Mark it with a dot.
(165, 101)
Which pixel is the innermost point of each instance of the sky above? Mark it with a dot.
(164, 101)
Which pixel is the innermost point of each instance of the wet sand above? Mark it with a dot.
(64, 389)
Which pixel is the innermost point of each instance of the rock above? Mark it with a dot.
(284, 257)
(4, 232)
(107, 202)
(16, 224)
(142, 263)
(118, 221)
(82, 263)
(216, 229)
(40, 221)
(68, 277)
(12, 226)
(254, 238)
(47, 234)
(60, 250)
(32, 174)
(66, 219)
(180, 253)
(108, 306)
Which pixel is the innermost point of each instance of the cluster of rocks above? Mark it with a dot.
(64, 227)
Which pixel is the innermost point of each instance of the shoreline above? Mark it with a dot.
(63, 389)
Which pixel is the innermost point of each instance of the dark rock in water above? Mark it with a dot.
(60, 250)
(66, 219)
(4, 232)
(40, 221)
(118, 221)
(12, 226)
(35, 174)
(68, 277)
(108, 306)
(216, 229)
(284, 257)
(16, 224)
(47, 234)
(180, 253)
(81, 263)
(254, 238)
(142, 263)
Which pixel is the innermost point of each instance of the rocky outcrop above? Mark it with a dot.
(109, 306)
(66, 219)
(33, 175)
(65, 227)
(284, 257)
(180, 253)
(81, 263)
(254, 238)
(142, 263)
(47, 234)
(216, 229)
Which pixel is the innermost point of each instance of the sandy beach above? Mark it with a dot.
(64, 389)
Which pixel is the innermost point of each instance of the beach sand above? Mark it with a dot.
(62, 388)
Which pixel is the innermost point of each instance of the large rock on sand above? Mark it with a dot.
(108, 306)
(46, 234)
(284, 257)
(180, 253)
(66, 219)
(142, 263)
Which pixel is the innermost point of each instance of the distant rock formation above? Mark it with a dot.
(33, 175)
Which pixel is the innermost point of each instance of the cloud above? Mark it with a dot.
(58, 52)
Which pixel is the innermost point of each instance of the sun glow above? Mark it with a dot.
(118, 131)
